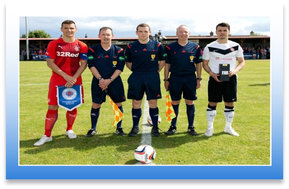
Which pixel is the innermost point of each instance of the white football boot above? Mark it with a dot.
(43, 140)
(70, 134)
(209, 132)
(231, 131)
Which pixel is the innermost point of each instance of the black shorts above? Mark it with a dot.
(115, 90)
(144, 82)
(226, 90)
(183, 84)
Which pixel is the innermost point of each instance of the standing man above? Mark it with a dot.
(222, 52)
(106, 62)
(145, 58)
(63, 57)
(180, 78)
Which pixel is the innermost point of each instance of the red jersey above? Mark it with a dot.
(67, 57)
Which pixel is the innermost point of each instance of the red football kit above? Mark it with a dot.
(67, 57)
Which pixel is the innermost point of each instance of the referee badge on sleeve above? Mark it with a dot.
(69, 98)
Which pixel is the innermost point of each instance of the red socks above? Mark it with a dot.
(70, 117)
(51, 117)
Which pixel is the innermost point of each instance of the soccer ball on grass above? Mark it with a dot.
(145, 154)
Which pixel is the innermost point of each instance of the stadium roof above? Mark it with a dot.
(167, 37)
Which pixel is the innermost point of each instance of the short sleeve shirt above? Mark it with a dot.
(145, 57)
(226, 53)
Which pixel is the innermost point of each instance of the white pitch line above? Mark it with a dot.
(35, 84)
(146, 138)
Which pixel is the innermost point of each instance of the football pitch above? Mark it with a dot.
(251, 121)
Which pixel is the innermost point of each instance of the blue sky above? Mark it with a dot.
(124, 26)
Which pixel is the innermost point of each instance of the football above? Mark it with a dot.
(145, 154)
(150, 120)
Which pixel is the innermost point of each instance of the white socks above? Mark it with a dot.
(228, 112)
(229, 115)
(211, 114)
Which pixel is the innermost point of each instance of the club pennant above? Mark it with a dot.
(118, 115)
(170, 113)
(69, 98)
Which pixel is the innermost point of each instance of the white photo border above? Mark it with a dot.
(14, 171)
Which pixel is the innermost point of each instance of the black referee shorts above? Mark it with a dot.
(183, 84)
(115, 90)
(140, 83)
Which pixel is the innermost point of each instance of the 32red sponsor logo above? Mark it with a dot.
(67, 54)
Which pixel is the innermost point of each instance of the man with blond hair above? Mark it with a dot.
(183, 61)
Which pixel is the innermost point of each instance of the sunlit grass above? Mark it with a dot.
(251, 121)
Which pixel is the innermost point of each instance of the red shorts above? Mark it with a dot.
(52, 93)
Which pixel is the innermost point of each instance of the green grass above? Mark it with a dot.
(251, 121)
